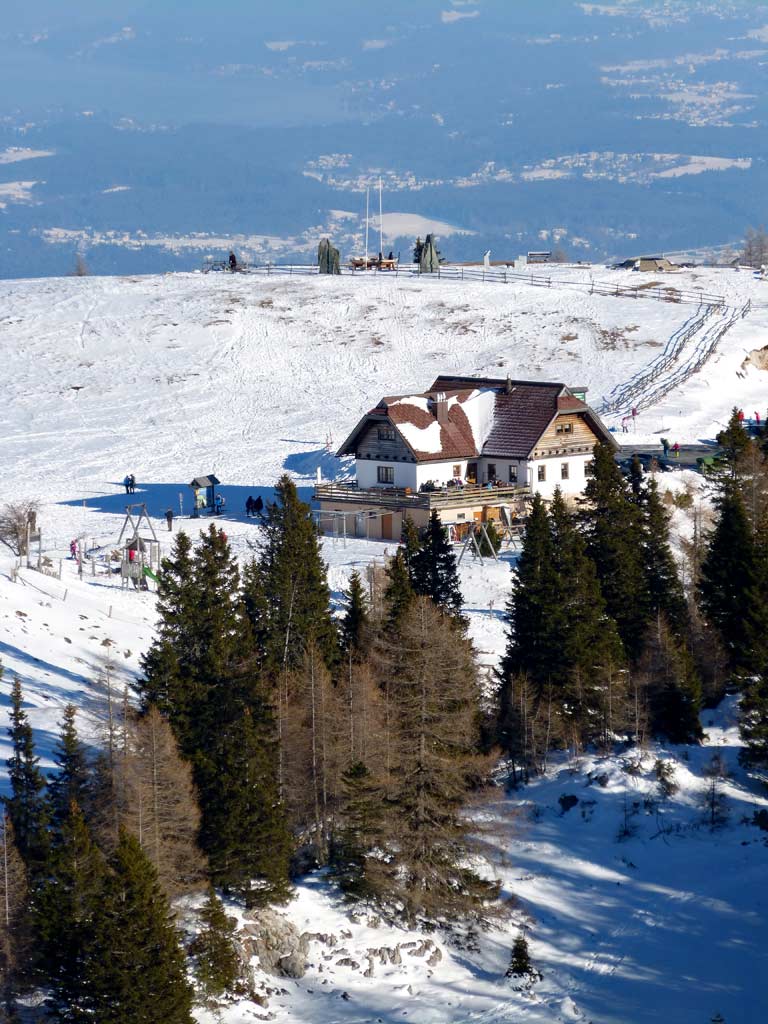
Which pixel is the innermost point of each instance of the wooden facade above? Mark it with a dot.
(567, 435)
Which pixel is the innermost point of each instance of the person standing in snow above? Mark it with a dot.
(73, 548)
(676, 450)
(127, 484)
(132, 484)
(169, 519)
(232, 262)
(258, 505)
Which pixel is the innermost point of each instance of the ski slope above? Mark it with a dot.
(172, 377)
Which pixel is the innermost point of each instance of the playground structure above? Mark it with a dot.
(139, 555)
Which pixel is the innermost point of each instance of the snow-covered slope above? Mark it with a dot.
(172, 377)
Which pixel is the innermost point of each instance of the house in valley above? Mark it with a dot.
(474, 448)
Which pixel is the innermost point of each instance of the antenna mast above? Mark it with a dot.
(367, 192)
(381, 225)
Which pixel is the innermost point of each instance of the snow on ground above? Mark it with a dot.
(172, 377)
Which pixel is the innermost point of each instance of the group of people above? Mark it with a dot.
(254, 506)
(129, 482)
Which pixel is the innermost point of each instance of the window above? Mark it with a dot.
(564, 470)
(457, 471)
(386, 433)
(385, 474)
(542, 474)
(564, 428)
(491, 470)
(513, 474)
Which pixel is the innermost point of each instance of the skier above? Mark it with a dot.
(232, 262)
(169, 519)
(127, 484)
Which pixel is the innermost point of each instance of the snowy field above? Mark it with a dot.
(173, 377)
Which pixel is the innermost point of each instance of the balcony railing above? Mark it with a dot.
(398, 497)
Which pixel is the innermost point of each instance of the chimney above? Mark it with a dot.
(508, 389)
(441, 407)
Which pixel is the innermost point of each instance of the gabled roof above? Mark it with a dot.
(466, 417)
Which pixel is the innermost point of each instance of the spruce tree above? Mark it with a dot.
(26, 805)
(434, 572)
(14, 931)
(72, 781)
(355, 621)
(429, 675)
(143, 977)
(244, 831)
(729, 577)
(217, 962)
(520, 965)
(490, 541)
(360, 831)
(613, 530)
(665, 591)
(398, 594)
(294, 582)
(65, 908)
(734, 442)
(532, 603)
(672, 685)
(411, 544)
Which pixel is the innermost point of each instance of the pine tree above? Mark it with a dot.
(72, 781)
(429, 674)
(613, 530)
(244, 832)
(294, 582)
(65, 907)
(217, 962)
(143, 978)
(434, 572)
(665, 591)
(520, 965)
(360, 830)
(729, 577)
(673, 688)
(26, 805)
(533, 602)
(734, 442)
(355, 622)
(411, 544)
(399, 593)
(14, 933)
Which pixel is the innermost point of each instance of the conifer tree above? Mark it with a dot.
(520, 965)
(532, 603)
(729, 577)
(665, 591)
(143, 978)
(411, 544)
(355, 622)
(65, 907)
(613, 530)
(14, 932)
(160, 804)
(734, 442)
(72, 781)
(490, 541)
(360, 830)
(244, 832)
(429, 672)
(673, 688)
(398, 594)
(217, 962)
(26, 805)
(434, 572)
(294, 582)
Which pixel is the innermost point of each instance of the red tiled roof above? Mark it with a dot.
(456, 439)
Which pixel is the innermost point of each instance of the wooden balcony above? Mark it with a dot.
(404, 498)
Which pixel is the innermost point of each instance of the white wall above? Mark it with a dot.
(366, 471)
(440, 472)
(577, 476)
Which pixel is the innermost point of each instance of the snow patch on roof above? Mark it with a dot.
(420, 401)
(479, 410)
(423, 439)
